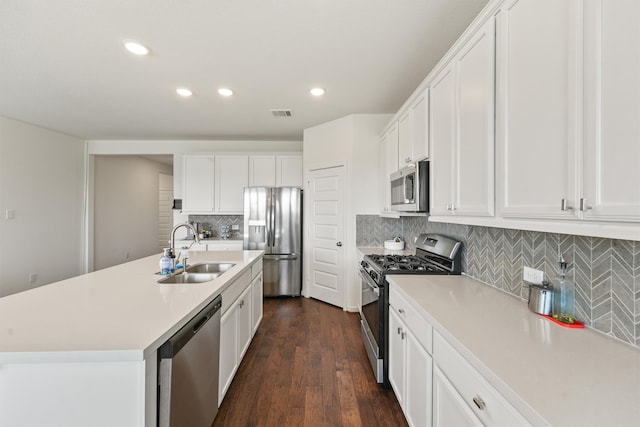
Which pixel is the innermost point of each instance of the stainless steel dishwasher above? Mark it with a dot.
(188, 372)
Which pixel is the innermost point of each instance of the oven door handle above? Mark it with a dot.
(369, 281)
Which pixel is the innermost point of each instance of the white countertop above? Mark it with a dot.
(569, 377)
(119, 313)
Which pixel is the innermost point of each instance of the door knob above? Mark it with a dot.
(339, 244)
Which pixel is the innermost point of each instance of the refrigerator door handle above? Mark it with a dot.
(273, 218)
(280, 257)
(270, 218)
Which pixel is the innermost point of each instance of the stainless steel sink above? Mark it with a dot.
(190, 278)
(210, 267)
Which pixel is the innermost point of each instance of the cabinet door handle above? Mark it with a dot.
(399, 330)
(584, 205)
(565, 206)
(241, 303)
(479, 402)
(401, 310)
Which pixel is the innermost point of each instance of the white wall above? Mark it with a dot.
(352, 140)
(125, 208)
(42, 180)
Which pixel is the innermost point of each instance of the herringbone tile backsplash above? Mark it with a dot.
(606, 272)
(372, 230)
(215, 222)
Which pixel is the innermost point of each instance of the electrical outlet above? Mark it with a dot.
(235, 227)
(532, 275)
(33, 277)
(9, 214)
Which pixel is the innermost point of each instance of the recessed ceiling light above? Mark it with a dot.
(183, 91)
(225, 92)
(317, 91)
(136, 48)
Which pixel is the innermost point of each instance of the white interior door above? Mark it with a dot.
(325, 201)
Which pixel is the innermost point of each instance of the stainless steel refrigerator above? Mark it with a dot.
(273, 223)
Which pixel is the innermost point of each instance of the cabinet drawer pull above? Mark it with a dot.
(479, 402)
(401, 311)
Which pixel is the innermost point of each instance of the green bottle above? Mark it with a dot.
(563, 296)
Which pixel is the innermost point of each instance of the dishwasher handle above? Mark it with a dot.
(174, 344)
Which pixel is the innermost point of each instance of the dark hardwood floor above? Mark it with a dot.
(307, 366)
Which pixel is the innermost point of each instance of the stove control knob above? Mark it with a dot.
(374, 276)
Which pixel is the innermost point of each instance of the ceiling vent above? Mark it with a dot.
(282, 113)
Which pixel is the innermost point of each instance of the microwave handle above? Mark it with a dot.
(409, 188)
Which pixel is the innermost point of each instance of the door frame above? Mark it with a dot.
(306, 265)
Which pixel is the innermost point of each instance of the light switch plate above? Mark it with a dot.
(532, 275)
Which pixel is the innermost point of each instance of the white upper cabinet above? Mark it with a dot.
(462, 130)
(283, 170)
(538, 96)
(289, 171)
(442, 98)
(568, 110)
(388, 164)
(198, 179)
(413, 124)
(262, 171)
(214, 183)
(232, 175)
(611, 189)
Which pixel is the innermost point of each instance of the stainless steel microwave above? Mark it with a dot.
(410, 188)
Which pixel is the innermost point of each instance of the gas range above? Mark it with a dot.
(435, 254)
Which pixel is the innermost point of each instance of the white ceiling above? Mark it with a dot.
(63, 66)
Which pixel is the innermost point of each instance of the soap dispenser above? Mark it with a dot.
(166, 262)
(563, 296)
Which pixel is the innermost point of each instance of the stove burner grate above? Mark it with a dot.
(406, 263)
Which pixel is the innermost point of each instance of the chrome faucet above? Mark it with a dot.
(173, 239)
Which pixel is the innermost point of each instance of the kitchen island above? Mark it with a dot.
(551, 375)
(82, 352)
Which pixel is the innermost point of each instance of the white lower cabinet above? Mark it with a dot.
(462, 396)
(238, 324)
(410, 364)
(434, 384)
(448, 407)
(229, 359)
(245, 328)
(257, 297)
